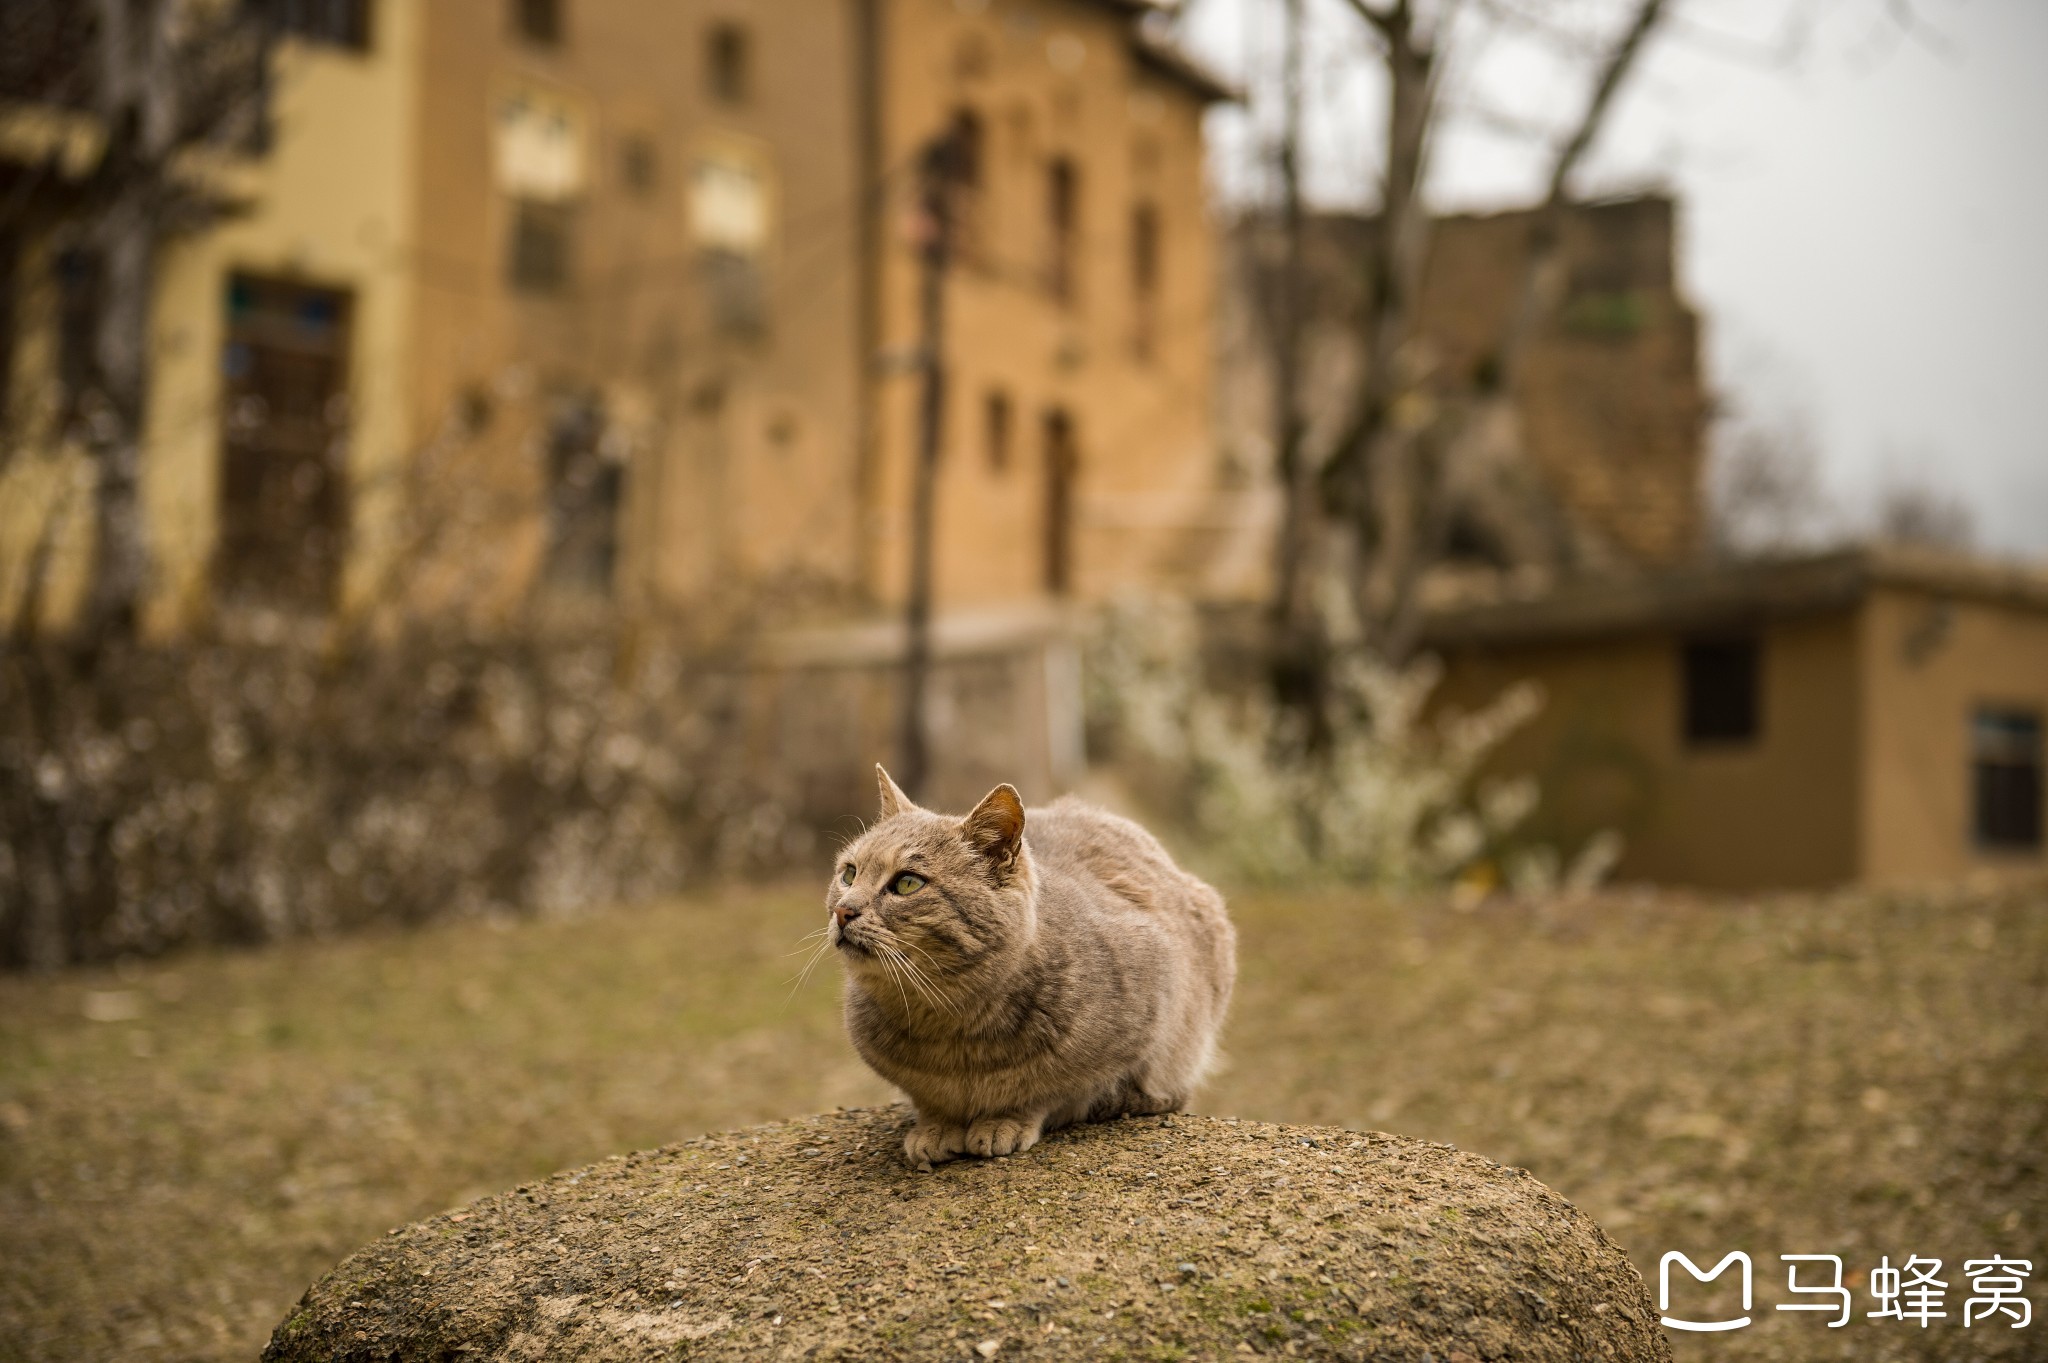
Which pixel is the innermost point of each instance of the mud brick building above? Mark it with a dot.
(613, 303)
(1611, 399)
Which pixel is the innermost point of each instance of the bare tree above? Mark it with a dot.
(1423, 445)
(1764, 494)
(1910, 511)
(155, 86)
(1426, 449)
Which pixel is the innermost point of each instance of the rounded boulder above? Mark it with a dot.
(1154, 1238)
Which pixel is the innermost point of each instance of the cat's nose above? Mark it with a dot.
(844, 913)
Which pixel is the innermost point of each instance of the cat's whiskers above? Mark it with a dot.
(817, 954)
(803, 943)
(888, 957)
(924, 984)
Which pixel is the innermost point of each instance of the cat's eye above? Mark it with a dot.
(846, 874)
(906, 883)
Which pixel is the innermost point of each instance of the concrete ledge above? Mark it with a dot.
(1182, 1237)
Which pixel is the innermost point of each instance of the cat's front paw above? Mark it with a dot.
(930, 1143)
(993, 1136)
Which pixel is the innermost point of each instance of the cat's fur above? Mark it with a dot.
(1074, 974)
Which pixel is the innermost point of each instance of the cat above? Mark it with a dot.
(1012, 984)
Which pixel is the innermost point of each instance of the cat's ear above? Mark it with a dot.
(996, 827)
(894, 801)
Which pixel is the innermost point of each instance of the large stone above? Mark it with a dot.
(1153, 1238)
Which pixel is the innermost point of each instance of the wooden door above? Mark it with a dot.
(284, 444)
(1062, 466)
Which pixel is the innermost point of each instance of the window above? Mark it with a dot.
(729, 221)
(728, 59)
(1062, 465)
(339, 23)
(636, 163)
(969, 144)
(2005, 752)
(537, 145)
(1062, 207)
(996, 429)
(283, 509)
(735, 292)
(539, 258)
(1144, 279)
(1722, 702)
(538, 21)
(586, 483)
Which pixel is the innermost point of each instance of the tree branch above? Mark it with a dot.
(1386, 21)
(1619, 62)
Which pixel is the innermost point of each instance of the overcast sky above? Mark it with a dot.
(1865, 231)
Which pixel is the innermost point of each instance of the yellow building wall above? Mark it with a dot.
(1047, 78)
(1931, 661)
(330, 204)
(744, 455)
(1608, 752)
(742, 460)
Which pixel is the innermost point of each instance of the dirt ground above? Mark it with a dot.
(185, 1145)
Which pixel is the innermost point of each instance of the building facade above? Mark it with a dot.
(1610, 399)
(1874, 715)
(612, 304)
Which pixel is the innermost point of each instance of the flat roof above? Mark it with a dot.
(1165, 60)
(1725, 595)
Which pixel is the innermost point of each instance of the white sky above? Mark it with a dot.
(1866, 232)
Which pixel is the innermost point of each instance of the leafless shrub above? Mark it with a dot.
(246, 792)
(1764, 493)
(1920, 513)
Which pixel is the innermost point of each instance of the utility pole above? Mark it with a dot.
(1296, 626)
(939, 170)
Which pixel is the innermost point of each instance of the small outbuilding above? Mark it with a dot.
(1870, 715)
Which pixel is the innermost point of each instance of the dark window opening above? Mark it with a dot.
(2005, 752)
(585, 488)
(538, 21)
(541, 236)
(1062, 465)
(284, 442)
(636, 164)
(736, 292)
(968, 165)
(1471, 540)
(1144, 279)
(1063, 216)
(969, 143)
(729, 62)
(338, 23)
(996, 429)
(1722, 685)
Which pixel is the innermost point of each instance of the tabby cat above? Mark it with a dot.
(1013, 984)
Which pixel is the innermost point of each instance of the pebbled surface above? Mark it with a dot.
(1150, 1238)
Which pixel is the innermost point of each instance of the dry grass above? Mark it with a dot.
(1860, 1075)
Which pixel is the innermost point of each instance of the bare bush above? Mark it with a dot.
(1389, 796)
(1923, 514)
(237, 792)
